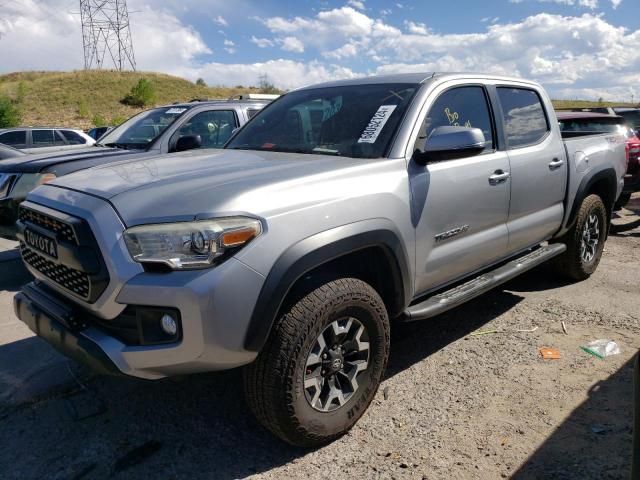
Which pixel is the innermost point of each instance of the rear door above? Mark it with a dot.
(538, 167)
(459, 207)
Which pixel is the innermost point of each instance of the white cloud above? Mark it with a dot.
(220, 20)
(261, 42)
(292, 44)
(283, 73)
(574, 56)
(229, 46)
(356, 4)
(615, 3)
(417, 28)
(592, 4)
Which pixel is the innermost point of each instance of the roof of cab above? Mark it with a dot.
(419, 77)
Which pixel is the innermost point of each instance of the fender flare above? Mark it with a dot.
(315, 251)
(608, 174)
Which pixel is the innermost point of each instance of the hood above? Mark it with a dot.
(36, 162)
(197, 184)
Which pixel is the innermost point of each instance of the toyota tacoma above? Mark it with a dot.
(337, 211)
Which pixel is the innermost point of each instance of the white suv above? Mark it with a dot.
(42, 140)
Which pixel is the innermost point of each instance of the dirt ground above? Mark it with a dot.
(455, 404)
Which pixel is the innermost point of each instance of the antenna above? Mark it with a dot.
(105, 30)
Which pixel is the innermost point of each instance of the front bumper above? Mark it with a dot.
(215, 305)
(48, 319)
(213, 319)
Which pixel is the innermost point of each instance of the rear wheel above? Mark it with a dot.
(585, 241)
(322, 364)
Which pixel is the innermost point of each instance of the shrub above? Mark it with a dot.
(99, 121)
(83, 108)
(201, 83)
(9, 113)
(141, 94)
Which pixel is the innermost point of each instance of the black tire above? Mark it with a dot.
(623, 199)
(572, 263)
(274, 383)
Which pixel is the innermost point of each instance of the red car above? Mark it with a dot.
(587, 123)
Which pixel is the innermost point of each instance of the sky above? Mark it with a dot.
(578, 49)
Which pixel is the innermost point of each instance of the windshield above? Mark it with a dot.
(353, 121)
(141, 131)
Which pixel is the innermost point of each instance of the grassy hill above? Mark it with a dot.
(82, 98)
(75, 99)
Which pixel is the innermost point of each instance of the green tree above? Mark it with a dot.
(9, 113)
(201, 83)
(142, 94)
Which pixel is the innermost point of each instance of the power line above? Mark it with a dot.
(106, 35)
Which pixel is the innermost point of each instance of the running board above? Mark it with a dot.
(449, 299)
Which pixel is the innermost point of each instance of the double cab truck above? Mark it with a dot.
(338, 211)
(172, 128)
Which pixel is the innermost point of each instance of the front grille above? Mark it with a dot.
(80, 268)
(62, 229)
(73, 280)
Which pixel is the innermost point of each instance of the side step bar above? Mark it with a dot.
(449, 299)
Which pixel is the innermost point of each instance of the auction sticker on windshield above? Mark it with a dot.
(376, 124)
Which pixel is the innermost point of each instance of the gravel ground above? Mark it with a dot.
(454, 404)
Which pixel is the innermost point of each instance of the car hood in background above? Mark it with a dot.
(36, 162)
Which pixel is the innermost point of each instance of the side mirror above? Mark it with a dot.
(188, 142)
(447, 143)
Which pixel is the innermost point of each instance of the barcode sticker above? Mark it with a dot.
(376, 124)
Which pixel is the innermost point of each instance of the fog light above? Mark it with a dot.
(168, 324)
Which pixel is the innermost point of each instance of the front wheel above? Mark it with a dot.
(585, 241)
(322, 364)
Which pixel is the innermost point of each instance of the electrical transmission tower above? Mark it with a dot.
(106, 35)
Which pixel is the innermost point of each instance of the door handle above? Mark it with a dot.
(499, 176)
(555, 164)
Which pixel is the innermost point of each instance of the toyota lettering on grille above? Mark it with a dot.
(41, 243)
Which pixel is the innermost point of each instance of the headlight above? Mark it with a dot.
(190, 245)
(29, 181)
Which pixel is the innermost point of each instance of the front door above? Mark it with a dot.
(460, 206)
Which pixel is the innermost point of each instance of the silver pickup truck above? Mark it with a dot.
(337, 211)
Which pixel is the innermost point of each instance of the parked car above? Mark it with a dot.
(40, 140)
(9, 152)
(337, 210)
(631, 115)
(97, 132)
(575, 124)
(158, 130)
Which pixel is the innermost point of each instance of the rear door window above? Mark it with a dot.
(525, 122)
(43, 138)
(73, 138)
(16, 139)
